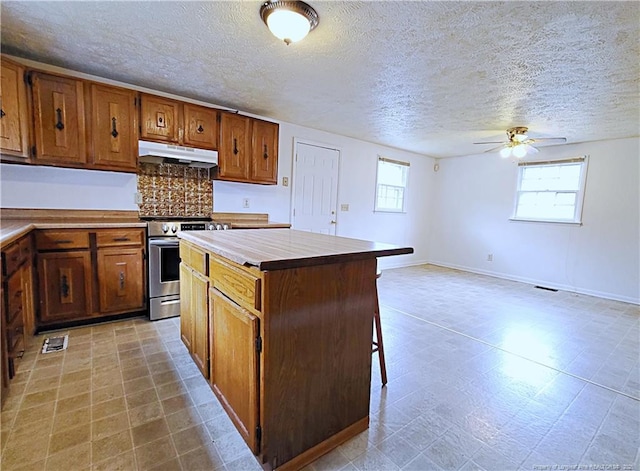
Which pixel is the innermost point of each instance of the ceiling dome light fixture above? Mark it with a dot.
(288, 20)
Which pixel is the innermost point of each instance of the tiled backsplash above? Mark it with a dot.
(174, 190)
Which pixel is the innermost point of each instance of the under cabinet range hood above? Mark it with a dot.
(157, 153)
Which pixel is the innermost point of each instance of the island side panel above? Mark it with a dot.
(316, 374)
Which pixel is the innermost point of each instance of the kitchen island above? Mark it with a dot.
(281, 324)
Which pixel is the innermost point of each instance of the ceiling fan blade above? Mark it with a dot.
(495, 148)
(548, 139)
(491, 142)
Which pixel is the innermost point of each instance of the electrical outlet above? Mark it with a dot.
(137, 198)
(245, 202)
(344, 207)
(490, 257)
(285, 181)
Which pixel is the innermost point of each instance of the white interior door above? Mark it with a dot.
(315, 183)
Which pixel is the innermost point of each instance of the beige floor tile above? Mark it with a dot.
(109, 425)
(79, 375)
(124, 462)
(38, 398)
(61, 440)
(74, 458)
(74, 402)
(111, 446)
(171, 465)
(191, 439)
(138, 385)
(74, 418)
(37, 385)
(24, 449)
(107, 393)
(206, 457)
(107, 408)
(149, 432)
(145, 413)
(33, 414)
(154, 453)
(37, 466)
(73, 389)
(47, 372)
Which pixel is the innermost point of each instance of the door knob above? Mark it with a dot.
(333, 222)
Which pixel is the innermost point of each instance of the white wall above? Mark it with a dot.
(474, 198)
(30, 186)
(356, 187)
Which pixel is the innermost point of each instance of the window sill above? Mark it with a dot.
(547, 221)
(389, 211)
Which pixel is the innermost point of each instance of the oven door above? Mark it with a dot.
(164, 267)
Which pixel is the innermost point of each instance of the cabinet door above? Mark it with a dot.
(59, 128)
(114, 128)
(65, 285)
(159, 118)
(186, 316)
(120, 280)
(264, 156)
(200, 314)
(235, 364)
(235, 144)
(14, 131)
(200, 127)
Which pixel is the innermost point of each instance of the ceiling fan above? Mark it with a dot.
(519, 143)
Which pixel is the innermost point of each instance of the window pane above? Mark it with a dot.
(549, 192)
(391, 184)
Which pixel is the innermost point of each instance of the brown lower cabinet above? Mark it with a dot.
(89, 273)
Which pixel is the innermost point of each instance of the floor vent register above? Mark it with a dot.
(55, 344)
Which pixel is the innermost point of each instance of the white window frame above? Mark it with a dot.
(382, 209)
(577, 213)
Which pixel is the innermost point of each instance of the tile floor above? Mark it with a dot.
(483, 374)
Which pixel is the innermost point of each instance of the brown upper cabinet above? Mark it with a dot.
(113, 136)
(174, 122)
(248, 150)
(14, 115)
(58, 117)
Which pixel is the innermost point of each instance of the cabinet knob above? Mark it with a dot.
(121, 280)
(235, 146)
(64, 286)
(2, 113)
(266, 154)
(200, 129)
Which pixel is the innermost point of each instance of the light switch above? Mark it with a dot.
(285, 181)
(344, 207)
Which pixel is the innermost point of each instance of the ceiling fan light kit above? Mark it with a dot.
(519, 143)
(289, 21)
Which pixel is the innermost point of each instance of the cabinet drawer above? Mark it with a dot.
(14, 295)
(238, 285)
(116, 237)
(195, 258)
(11, 259)
(60, 240)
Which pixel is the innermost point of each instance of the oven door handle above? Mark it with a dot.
(164, 243)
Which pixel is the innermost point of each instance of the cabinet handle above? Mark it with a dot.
(235, 146)
(64, 286)
(63, 241)
(59, 124)
(121, 280)
(266, 154)
(200, 129)
(2, 113)
(114, 130)
(121, 239)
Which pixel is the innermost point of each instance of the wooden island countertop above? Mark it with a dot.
(280, 322)
(278, 249)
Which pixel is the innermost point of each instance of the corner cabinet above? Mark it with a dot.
(248, 150)
(174, 122)
(14, 116)
(59, 120)
(85, 274)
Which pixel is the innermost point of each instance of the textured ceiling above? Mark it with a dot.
(430, 77)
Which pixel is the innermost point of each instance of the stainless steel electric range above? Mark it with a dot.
(164, 263)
